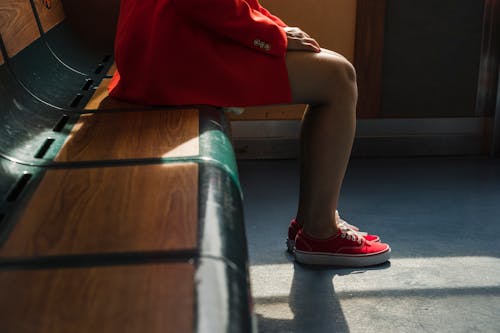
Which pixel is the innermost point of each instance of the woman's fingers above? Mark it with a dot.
(299, 40)
(296, 32)
(313, 42)
(304, 44)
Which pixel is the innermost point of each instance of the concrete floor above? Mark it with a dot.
(441, 217)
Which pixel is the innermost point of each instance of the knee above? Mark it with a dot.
(321, 78)
(339, 80)
(350, 71)
(342, 72)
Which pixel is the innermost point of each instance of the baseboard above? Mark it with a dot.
(378, 137)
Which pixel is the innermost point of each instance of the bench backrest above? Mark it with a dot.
(50, 13)
(108, 215)
(18, 26)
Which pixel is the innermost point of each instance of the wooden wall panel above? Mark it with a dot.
(331, 22)
(109, 210)
(488, 99)
(369, 56)
(139, 298)
(490, 60)
(132, 135)
(18, 25)
(51, 13)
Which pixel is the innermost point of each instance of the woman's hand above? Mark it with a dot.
(298, 40)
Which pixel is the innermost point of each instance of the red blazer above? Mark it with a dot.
(212, 52)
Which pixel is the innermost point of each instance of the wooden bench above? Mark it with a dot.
(114, 217)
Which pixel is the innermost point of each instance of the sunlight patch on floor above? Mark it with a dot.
(270, 281)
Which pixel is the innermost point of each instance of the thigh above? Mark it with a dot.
(313, 76)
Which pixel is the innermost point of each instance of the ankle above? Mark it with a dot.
(321, 232)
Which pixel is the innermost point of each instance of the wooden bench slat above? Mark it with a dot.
(101, 101)
(129, 135)
(17, 25)
(274, 112)
(112, 69)
(51, 15)
(139, 298)
(109, 210)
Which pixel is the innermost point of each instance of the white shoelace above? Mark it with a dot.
(343, 225)
(352, 235)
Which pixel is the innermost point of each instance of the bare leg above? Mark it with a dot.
(327, 82)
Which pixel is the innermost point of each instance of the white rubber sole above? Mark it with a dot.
(329, 259)
(290, 245)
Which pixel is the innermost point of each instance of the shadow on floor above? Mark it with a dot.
(313, 303)
(441, 218)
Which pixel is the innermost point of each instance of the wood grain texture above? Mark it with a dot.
(102, 101)
(368, 59)
(275, 112)
(331, 22)
(109, 210)
(130, 135)
(18, 25)
(122, 299)
(112, 70)
(50, 12)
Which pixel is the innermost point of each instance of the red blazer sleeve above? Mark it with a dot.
(237, 20)
(276, 19)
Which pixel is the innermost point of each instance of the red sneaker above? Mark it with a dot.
(294, 228)
(346, 248)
